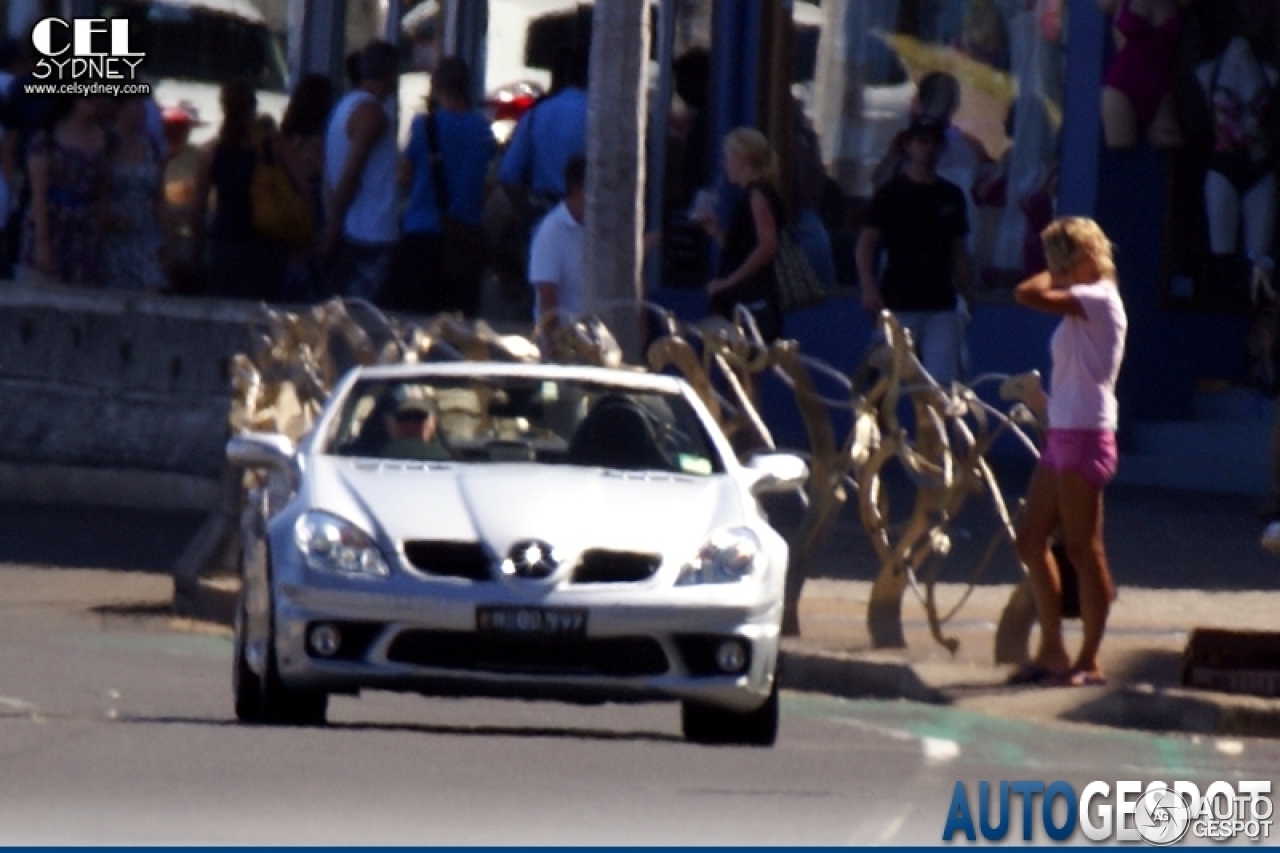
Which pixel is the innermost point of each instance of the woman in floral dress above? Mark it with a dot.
(135, 205)
(67, 165)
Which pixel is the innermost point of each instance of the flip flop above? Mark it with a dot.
(1033, 673)
(1075, 678)
(1080, 678)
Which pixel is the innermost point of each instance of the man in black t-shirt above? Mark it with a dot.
(919, 220)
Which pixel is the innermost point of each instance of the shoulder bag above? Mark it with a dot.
(798, 284)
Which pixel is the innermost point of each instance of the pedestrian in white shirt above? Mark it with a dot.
(556, 254)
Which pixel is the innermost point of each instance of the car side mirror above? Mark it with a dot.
(264, 450)
(777, 472)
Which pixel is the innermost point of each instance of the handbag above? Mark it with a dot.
(280, 212)
(798, 284)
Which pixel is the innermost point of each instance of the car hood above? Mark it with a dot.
(570, 507)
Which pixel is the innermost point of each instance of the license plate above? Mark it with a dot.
(533, 621)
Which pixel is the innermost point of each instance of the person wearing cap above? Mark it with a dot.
(937, 97)
(412, 428)
(918, 220)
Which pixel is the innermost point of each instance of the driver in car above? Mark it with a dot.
(412, 427)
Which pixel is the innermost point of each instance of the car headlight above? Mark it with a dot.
(728, 556)
(332, 544)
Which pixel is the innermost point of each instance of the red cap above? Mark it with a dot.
(183, 113)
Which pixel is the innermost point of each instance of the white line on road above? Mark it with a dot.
(17, 705)
(890, 832)
(936, 750)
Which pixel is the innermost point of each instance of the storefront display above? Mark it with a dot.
(1005, 60)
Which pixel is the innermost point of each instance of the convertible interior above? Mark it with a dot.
(557, 423)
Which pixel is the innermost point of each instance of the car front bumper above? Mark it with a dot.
(653, 645)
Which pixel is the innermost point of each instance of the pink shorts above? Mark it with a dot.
(1091, 453)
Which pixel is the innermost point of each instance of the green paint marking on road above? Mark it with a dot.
(986, 737)
(1010, 752)
(1174, 754)
(180, 645)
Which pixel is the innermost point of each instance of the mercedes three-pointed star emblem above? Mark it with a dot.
(531, 559)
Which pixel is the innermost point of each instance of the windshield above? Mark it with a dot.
(193, 43)
(522, 419)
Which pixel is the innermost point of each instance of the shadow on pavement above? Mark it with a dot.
(1149, 666)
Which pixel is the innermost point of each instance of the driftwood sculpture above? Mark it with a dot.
(902, 424)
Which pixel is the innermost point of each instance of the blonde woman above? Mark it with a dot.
(1079, 455)
(747, 248)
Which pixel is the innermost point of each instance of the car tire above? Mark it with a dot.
(266, 699)
(283, 705)
(245, 684)
(707, 724)
(286, 706)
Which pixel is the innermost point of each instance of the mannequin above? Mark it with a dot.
(1240, 184)
(1137, 90)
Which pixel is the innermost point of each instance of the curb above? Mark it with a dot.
(1145, 706)
(855, 677)
(1139, 706)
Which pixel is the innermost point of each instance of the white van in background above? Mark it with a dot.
(192, 47)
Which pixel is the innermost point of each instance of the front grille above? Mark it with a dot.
(615, 567)
(615, 657)
(449, 559)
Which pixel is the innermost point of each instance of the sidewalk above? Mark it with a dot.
(1142, 656)
(1181, 561)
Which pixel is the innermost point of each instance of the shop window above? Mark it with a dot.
(1221, 227)
(875, 61)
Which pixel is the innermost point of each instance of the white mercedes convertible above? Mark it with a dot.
(534, 531)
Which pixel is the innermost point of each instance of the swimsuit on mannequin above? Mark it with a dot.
(1240, 183)
(1138, 83)
(1241, 150)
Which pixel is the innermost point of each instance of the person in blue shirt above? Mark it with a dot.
(532, 170)
(439, 264)
(549, 134)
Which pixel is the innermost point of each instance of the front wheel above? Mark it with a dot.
(286, 706)
(707, 724)
(266, 699)
(245, 685)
